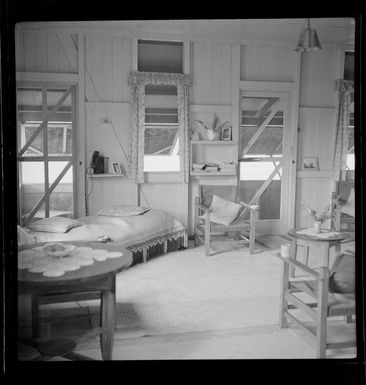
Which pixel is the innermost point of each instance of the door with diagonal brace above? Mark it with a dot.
(264, 158)
(46, 132)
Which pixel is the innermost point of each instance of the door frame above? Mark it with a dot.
(44, 86)
(288, 189)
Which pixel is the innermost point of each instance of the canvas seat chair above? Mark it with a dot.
(206, 228)
(331, 293)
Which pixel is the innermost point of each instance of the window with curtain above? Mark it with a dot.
(349, 69)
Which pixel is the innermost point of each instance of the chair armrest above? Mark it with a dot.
(250, 207)
(302, 267)
(204, 208)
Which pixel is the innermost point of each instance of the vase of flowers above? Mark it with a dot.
(318, 219)
(213, 132)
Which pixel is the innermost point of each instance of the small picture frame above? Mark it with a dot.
(309, 164)
(116, 169)
(226, 133)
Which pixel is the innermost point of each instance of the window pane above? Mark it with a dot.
(161, 140)
(59, 139)
(31, 175)
(160, 56)
(61, 198)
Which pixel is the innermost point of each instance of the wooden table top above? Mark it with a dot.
(336, 237)
(85, 273)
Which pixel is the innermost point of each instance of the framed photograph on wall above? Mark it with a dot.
(116, 169)
(226, 133)
(309, 164)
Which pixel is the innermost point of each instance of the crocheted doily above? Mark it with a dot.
(36, 260)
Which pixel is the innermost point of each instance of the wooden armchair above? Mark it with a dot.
(333, 292)
(205, 228)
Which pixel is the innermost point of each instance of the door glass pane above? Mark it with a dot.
(30, 116)
(261, 139)
(61, 198)
(32, 187)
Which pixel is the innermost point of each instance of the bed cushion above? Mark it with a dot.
(223, 211)
(349, 206)
(54, 225)
(123, 211)
(343, 278)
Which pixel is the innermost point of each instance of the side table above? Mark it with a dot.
(100, 276)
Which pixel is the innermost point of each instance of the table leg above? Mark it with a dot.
(293, 252)
(108, 321)
(35, 321)
(326, 255)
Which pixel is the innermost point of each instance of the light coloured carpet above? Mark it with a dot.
(185, 305)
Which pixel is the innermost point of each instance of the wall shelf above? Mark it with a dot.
(221, 142)
(97, 176)
(212, 173)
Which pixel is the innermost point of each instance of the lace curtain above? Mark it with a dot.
(137, 81)
(345, 89)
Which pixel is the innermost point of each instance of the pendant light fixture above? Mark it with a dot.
(308, 40)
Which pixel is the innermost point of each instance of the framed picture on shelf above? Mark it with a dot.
(226, 133)
(309, 164)
(116, 169)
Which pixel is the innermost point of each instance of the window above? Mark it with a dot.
(349, 70)
(45, 152)
(161, 146)
(160, 56)
(161, 136)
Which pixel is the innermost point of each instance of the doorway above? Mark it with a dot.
(266, 159)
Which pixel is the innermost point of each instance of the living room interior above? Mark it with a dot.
(198, 129)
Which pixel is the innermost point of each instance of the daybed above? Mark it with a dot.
(144, 232)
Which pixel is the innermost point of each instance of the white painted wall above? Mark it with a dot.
(216, 67)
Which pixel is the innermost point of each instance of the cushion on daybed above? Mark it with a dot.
(349, 207)
(123, 211)
(54, 225)
(343, 278)
(223, 211)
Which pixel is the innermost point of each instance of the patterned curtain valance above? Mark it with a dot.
(142, 78)
(345, 89)
(342, 85)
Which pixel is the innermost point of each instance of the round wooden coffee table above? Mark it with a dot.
(306, 240)
(100, 276)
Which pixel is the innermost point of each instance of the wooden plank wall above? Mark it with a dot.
(216, 70)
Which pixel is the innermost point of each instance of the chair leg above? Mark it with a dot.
(321, 324)
(284, 287)
(35, 320)
(207, 238)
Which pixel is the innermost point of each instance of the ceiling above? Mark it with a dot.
(331, 31)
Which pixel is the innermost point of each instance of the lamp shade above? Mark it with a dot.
(308, 40)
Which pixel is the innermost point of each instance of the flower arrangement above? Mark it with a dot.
(319, 218)
(216, 125)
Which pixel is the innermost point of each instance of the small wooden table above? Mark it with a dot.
(308, 240)
(100, 276)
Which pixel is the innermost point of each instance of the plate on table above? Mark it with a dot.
(57, 249)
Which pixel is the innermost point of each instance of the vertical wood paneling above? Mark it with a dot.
(117, 74)
(41, 51)
(316, 137)
(107, 69)
(266, 63)
(29, 51)
(95, 68)
(63, 61)
(318, 73)
(19, 51)
(126, 68)
(52, 52)
(211, 72)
